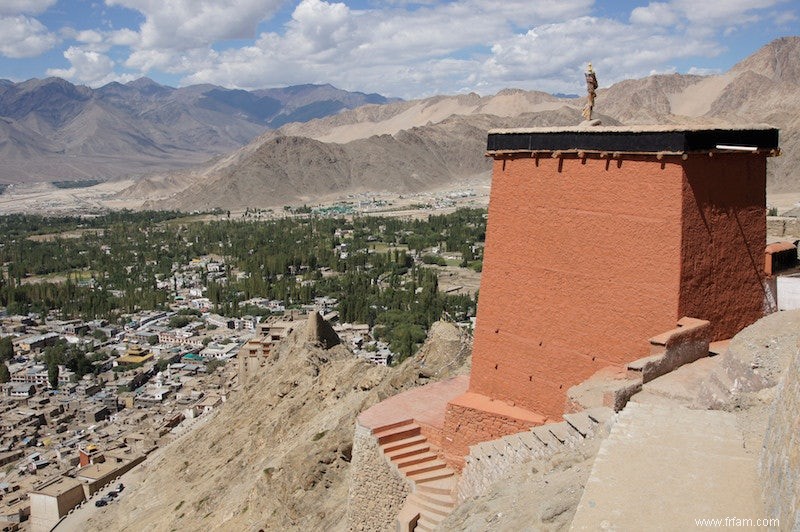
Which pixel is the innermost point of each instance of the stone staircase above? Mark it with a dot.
(434, 483)
(489, 461)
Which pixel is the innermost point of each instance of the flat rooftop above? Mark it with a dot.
(96, 471)
(57, 486)
(635, 139)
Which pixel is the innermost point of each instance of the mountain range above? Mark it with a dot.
(363, 142)
(53, 130)
(411, 146)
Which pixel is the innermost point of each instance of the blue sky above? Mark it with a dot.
(394, 47)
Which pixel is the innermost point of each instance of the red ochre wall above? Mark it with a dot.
(581, 266)
(724, 235)
(586, 259)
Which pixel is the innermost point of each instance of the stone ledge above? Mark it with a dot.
(688, 342)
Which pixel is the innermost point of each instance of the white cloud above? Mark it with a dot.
(89, 37)
(655, 13)
(23, 36)
(86, 65)
(700, 71)
(18, 7)
(187, 24)
(89, 67)
(318, 26)
(554, 55)
(403, 52)
(123, 37)
(169, 61)
(406, 48)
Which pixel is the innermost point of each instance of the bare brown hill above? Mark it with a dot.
(291, 169)
(277, 455)
(777, 60)
(389, 119)
(644, 101)
(425, 144)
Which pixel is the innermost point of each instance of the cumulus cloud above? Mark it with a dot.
(446, 47)
(89, 67)
(553, 53)
(402, 47)
(377, 49)
(22, 36)
(123, 37)
(18, 7)
(656, 14)
(168, 61)
(89, 37)
(187, 24)
(318, 26)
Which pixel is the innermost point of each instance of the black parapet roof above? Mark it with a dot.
(634, 139)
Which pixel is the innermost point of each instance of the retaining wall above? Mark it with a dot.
(469, 421)
(377, 490)
(780, 454)
(783, 226)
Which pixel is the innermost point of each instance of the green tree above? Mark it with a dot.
(213, 364)
(178, 321)
(6, 348)
(5, 375)
(52, 375)
(152, 339)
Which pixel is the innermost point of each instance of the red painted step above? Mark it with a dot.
(424, 467)
(415, 459)
(407, 451)
(397, 433)
(402, 444)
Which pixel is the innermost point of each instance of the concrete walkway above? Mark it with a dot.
(664, 466)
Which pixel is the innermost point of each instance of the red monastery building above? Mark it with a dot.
(597, 240)
(601, 243)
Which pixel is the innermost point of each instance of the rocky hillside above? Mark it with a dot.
(51, 129)
(276, 456)
(419, 145)
(296, 169)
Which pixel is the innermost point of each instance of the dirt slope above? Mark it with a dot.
(277, 455)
